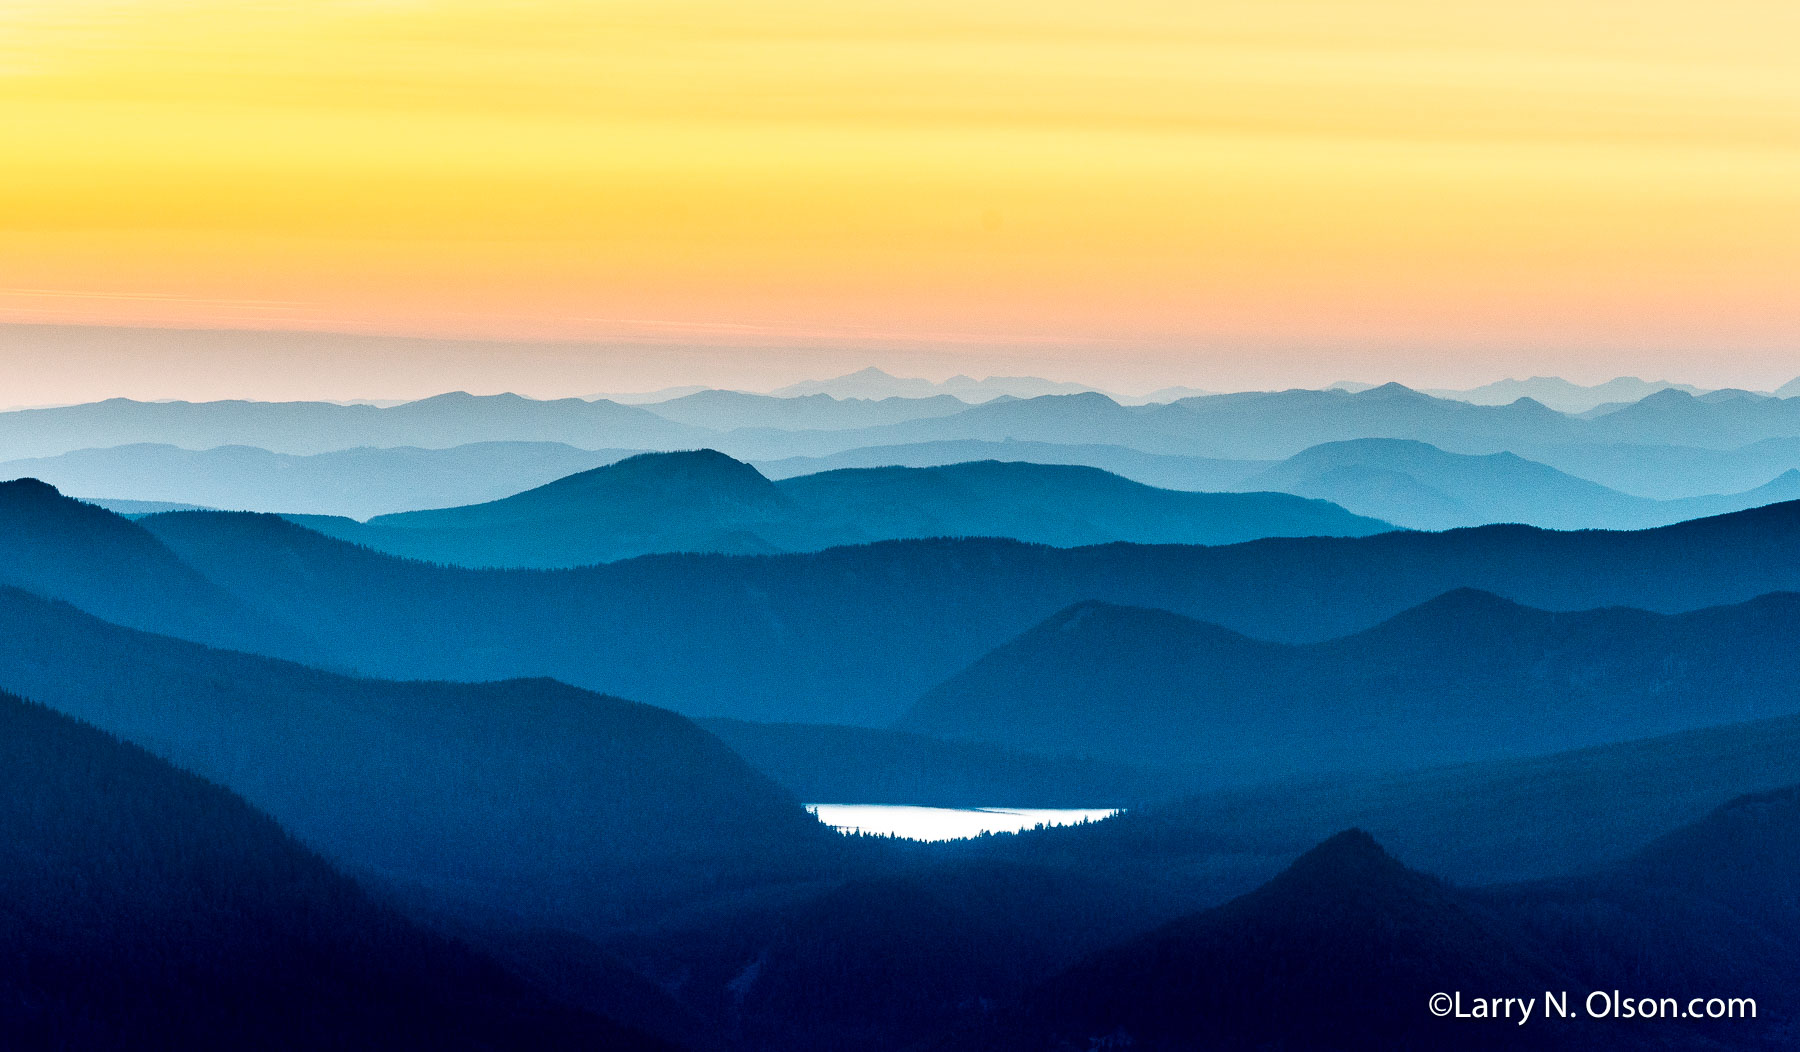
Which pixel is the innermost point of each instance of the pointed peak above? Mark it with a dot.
(1390, 390)
(1351, 843)
(1350, 856)
(1073, 617)
(1468, 599)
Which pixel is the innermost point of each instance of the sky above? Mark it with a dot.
(552, 195)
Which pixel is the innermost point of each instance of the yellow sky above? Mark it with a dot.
(1199, 181)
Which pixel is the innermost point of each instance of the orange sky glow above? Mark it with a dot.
(1139, 191)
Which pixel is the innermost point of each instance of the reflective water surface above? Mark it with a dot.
(947, 823)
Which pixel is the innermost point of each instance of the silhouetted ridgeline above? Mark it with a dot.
(856, 635)
(704, 501)
(848, 635)
(526, 796)
(1465, 676)
(142, 907)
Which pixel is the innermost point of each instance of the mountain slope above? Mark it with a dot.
(1347, 949)
(1342, 951)
(143, 907)
(1423, 487)
(1465, 676)
(524, 796)
(878, 963)
(1588, 810)
(89, 556)
(1064, 505)
(1719, 420)
(706, 501)
(1704, 909)
(1672, 472)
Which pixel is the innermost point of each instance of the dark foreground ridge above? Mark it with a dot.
(146, 908)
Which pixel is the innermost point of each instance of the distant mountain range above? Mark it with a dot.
(1276, 425)
(1466, 676)
(1686, 441)
(358, 483)
(1671, 472)
(704, 501)
(1407, 483)
(732, 410)
(873, 383)
(146, 907)
(1562, 395)
(446, 420)
(1419, 486)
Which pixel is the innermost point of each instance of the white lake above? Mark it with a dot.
(947, 823)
